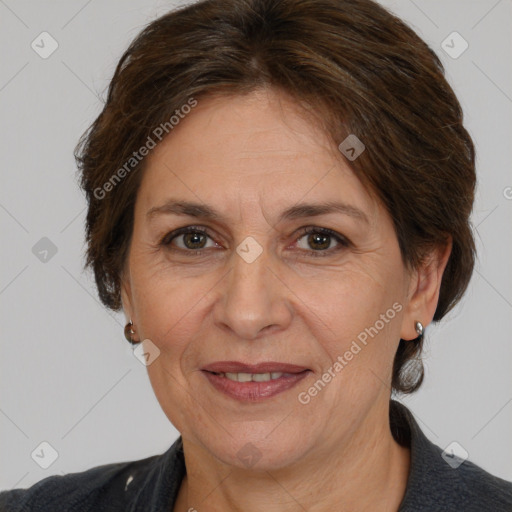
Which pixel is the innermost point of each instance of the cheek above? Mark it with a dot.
(350, 299)
(167, 300)
(169, 311)
(354, 316)
(357, 338)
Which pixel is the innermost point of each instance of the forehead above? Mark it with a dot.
(259, 149)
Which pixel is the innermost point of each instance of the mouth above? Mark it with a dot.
(253, 383)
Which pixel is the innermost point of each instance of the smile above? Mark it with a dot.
(253, 387)
(254, 377)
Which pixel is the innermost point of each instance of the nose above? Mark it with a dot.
(254, 300)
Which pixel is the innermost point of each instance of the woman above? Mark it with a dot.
(279, 196)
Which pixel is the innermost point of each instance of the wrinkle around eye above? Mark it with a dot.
(172, 240)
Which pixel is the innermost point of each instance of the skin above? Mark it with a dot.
(250, 157)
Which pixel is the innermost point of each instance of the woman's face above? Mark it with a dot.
(249, 286)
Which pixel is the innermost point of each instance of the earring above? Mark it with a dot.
(419, 328)
(129, 332)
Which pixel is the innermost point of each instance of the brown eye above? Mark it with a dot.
(188, 240)
(194, 240)
(319, 241)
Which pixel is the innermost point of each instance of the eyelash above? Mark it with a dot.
(343, 242)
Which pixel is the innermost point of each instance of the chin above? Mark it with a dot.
(259, 450)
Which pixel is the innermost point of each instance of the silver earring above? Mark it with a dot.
(419, 328)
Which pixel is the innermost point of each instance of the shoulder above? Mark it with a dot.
(480, 490)
(443, 481)
(465, 487)
(106, 487)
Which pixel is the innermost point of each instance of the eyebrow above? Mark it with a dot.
(203, 211)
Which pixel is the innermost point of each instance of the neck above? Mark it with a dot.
(366, 472)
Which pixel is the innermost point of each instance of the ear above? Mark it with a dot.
(126, 296)
(424, 288)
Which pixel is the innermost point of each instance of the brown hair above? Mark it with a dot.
(356, 65)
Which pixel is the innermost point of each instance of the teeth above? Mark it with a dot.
(254, 377)
(244, 377)
(261, 377)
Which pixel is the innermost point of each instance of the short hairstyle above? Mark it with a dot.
(353, 65)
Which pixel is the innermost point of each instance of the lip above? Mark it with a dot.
(264, 367)
(254, 391)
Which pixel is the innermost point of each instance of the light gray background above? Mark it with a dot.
(68, 377)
